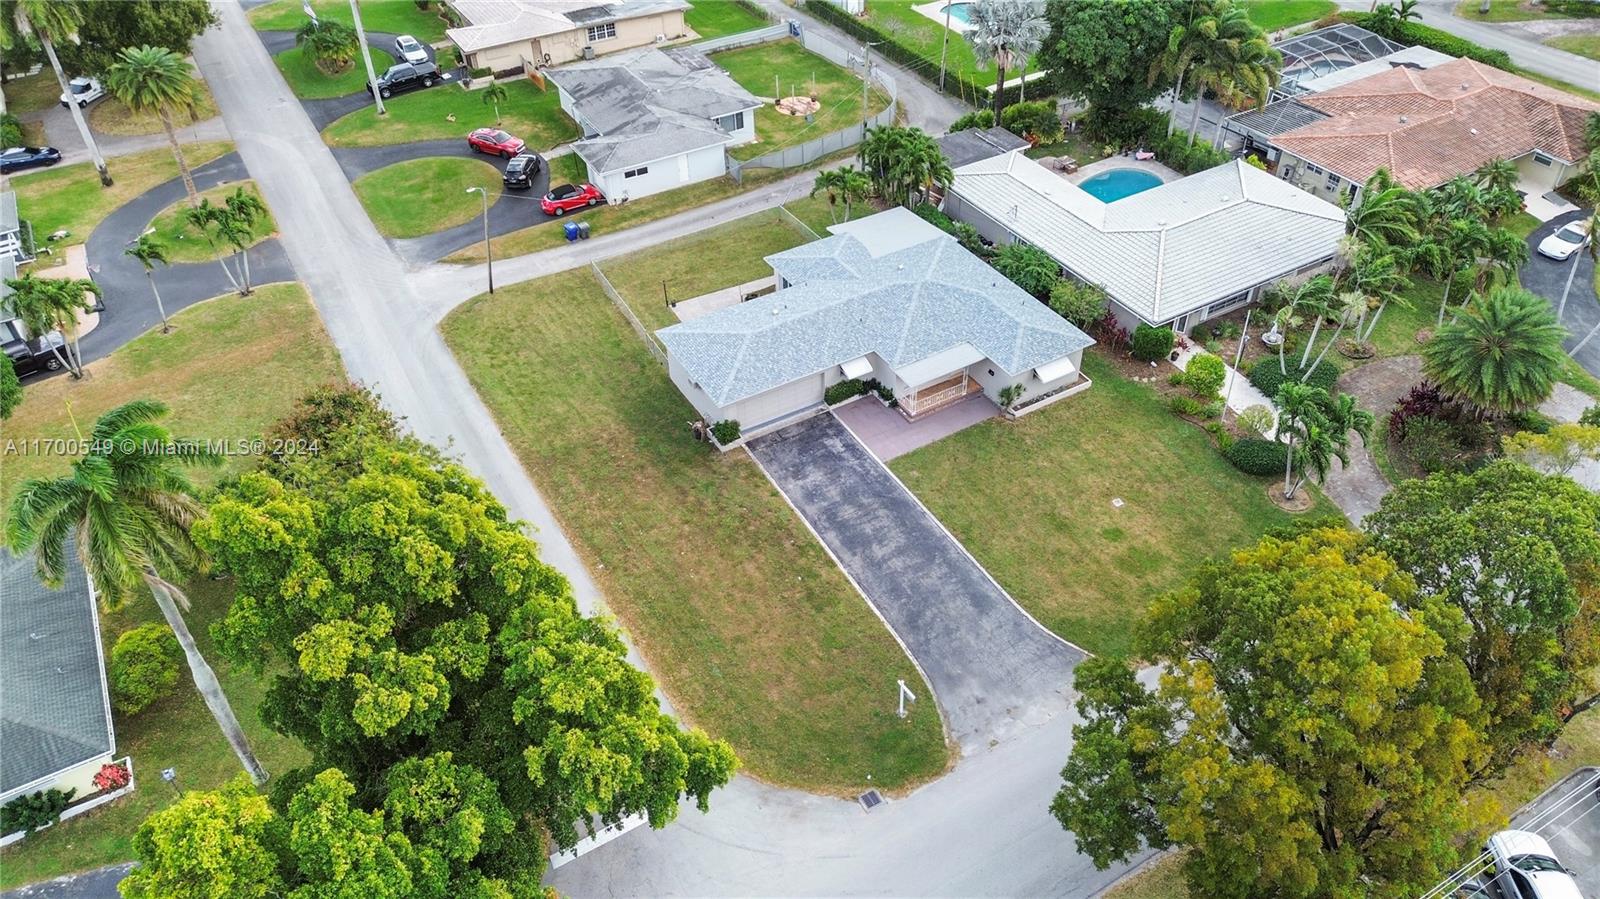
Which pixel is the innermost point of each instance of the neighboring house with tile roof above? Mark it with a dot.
(55, 712)
(888, 297)
(1177, 254)
(653, 119)
(1426, 126)
(517, 36)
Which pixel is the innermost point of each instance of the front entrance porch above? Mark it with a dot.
(889, 434)
(930, 398)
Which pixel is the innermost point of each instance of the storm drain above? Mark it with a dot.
(870, 799)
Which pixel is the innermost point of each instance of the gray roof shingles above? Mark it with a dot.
(973, 144)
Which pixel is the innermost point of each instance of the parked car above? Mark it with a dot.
(1526, 862)
(82, 91)
(406, 76)
(566, 197)
(1566, 241)
(15, 159)
(29, 355)
(521, 170)
(411, 49)
(495, 142)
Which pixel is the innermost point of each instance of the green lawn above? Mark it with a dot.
(421, 196)
(184, 243)
(927, 38)
(679, 268)
(1160, 878)
(1502, 11)
(715, 18)
(796, 71)
(816, 215)
(70, 196)
(749, 626)
(529, 113)
(1273, 15)
(568, 169)
(1581, 44)
(33, 93)
(390, 16)
(310, 82)
(1032, 499)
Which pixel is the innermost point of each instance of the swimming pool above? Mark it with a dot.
(958, 12)
(1109, 187)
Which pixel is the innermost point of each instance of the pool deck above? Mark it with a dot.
(1122, 162)
(935, 11)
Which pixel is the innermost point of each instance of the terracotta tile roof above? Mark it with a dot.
(1427, 126)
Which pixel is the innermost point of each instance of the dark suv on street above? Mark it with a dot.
(29, 355)
(521, 171)
(406, 76)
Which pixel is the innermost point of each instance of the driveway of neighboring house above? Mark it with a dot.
(101, 883)
(62, 133)
(995, 671)
(1546, 277)
(1377, 386)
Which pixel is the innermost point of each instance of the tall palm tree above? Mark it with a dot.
(1004, 32)
(1238, 64)
(127, 507)
(1317, 428)
(1184, 44)
(1497, 174)
(1459, 241)
(201, 217)
(53, 304)
(831, 182)
(1503, 255)
(902, 161)
(50, 21)
(495, 94)
(151, 253)
(155, 79)
(1503, 355)
(236, 232)
(245, 210)
(854, 187)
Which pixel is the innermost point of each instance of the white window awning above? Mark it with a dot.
(1051, 371)
(939, 365)
(857, 368)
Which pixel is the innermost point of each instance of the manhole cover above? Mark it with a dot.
(870, 799)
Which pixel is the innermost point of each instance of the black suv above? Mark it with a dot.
(521, 170)
(406, 76)
(29, 355)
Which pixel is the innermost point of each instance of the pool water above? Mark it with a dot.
(1109, 187)
(958, 12)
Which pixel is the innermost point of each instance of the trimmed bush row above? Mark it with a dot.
(1253, 455)
(1265, 375)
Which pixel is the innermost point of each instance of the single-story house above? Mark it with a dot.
(974, 144)
(11, 225)
(1425, 125)
(55, 711)
(1177, 254)
(654, 119)
(517, 36)
(887, 297)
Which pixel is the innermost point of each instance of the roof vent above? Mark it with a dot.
(1226, 198)
(1472, 130)
(1403, 120)
(1465, 86)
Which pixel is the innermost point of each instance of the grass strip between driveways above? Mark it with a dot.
(387, 16)
(527, 112)
(421, 196)
(1033, 501)
(747, 623)
(185, 243)
(311, 83)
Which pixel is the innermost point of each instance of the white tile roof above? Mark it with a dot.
(914, 300)
(1168, 250)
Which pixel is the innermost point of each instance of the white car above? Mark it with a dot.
(1526, 867)
(410, 49)
(82, 91)
(1566, 241)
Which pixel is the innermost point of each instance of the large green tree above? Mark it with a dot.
(173, 24)
(1501, 356)
(409, 617)
(1103, 51)
(1310, 735)
(1518, 552)
(903, 163)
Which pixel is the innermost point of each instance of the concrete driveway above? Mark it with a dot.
(993, 669)
(1546, 277)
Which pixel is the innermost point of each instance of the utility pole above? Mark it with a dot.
(366, 56)
(945, 46)
(866, 88)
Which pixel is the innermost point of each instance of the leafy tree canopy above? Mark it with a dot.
(10, 388)
(1102, 51)
(109, 27)
(1307, 737)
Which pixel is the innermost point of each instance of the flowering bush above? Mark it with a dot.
(112, 776)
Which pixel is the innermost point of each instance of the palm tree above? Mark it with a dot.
(830, 181)
(1378, 275)
(901, 161)
(1004, 32)
(53, 304)
(201, 217)
(1504, 355)
(1184, 44)
(496, 94)
(50, 21)
(1497, 174)
(236, 231)
(1385, 214)
(150, 253)
(1458, 243)
(127, 507)
(1406, 11)
(854, 187)
(1317, 302)
(155, 79)
(1461, 198)
(331, 45)
(1503, 255)
(1238, 64)
(1317, 429)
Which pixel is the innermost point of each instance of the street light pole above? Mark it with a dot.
(488, 248)
(366, 56)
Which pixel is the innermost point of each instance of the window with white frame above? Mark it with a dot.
(733, 122)
(1333, 181)
(1314, 169)
(634, 173)
(602, 32)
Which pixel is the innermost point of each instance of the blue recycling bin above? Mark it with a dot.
(572, 230)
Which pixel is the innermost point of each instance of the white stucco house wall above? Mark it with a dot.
(654, 120)
(513, 37)
(888, 297)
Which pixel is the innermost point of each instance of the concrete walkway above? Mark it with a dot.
(1239, 393)
(889, 435)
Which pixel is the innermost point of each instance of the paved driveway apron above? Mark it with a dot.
(1547, 278)
(995, 671)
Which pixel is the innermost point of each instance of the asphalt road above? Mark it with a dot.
(1547, 277)
(1568, 67)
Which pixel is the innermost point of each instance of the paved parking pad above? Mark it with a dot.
(995, 671)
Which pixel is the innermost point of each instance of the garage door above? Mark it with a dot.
(780, 401)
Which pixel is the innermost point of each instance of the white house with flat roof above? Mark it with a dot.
(888, 297)
(1177, 254)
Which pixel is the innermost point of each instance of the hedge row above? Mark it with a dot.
(1267, 378)
(1417, 34)
(1253, 455)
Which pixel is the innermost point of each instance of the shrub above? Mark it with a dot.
(1205, 375)
(1213, 409)
(1125, 127)
(1430, 444)
(1081, 304)
(1111, 332)
(842, 391)
(1529, 420)
(1028, 267)
(1265, 375)
(112, 776)
(34, 810)
(982, 118)
(1424, 400)
(144, 667)
(931, 214)
(10, 131)
(1010, 394)
(1181, 404)
(726, 431)
(1036, 120)
(971, 240)
(1590, 416)
(1433, 38)
(1252, 455)
(886, 394)
(1151, 343)
(1257, 419)
(1178, 153)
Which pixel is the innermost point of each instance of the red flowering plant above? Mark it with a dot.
(112, 776)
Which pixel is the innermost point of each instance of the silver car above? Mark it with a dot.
(1526, 867)
(410, 49)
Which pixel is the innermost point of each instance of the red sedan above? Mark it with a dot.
(569, 196)
(495, 142)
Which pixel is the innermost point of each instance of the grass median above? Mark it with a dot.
(387, 16)
(527, 112)
(746, 622)
(421, 196)
(311, 83)
(112, 116)
(185, 243)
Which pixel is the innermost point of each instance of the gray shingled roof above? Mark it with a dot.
(649, 104)
(973, 144)
(921, 296)
(53, 711)
(1168, 250)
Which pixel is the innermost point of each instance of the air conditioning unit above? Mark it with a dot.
(588, 53)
